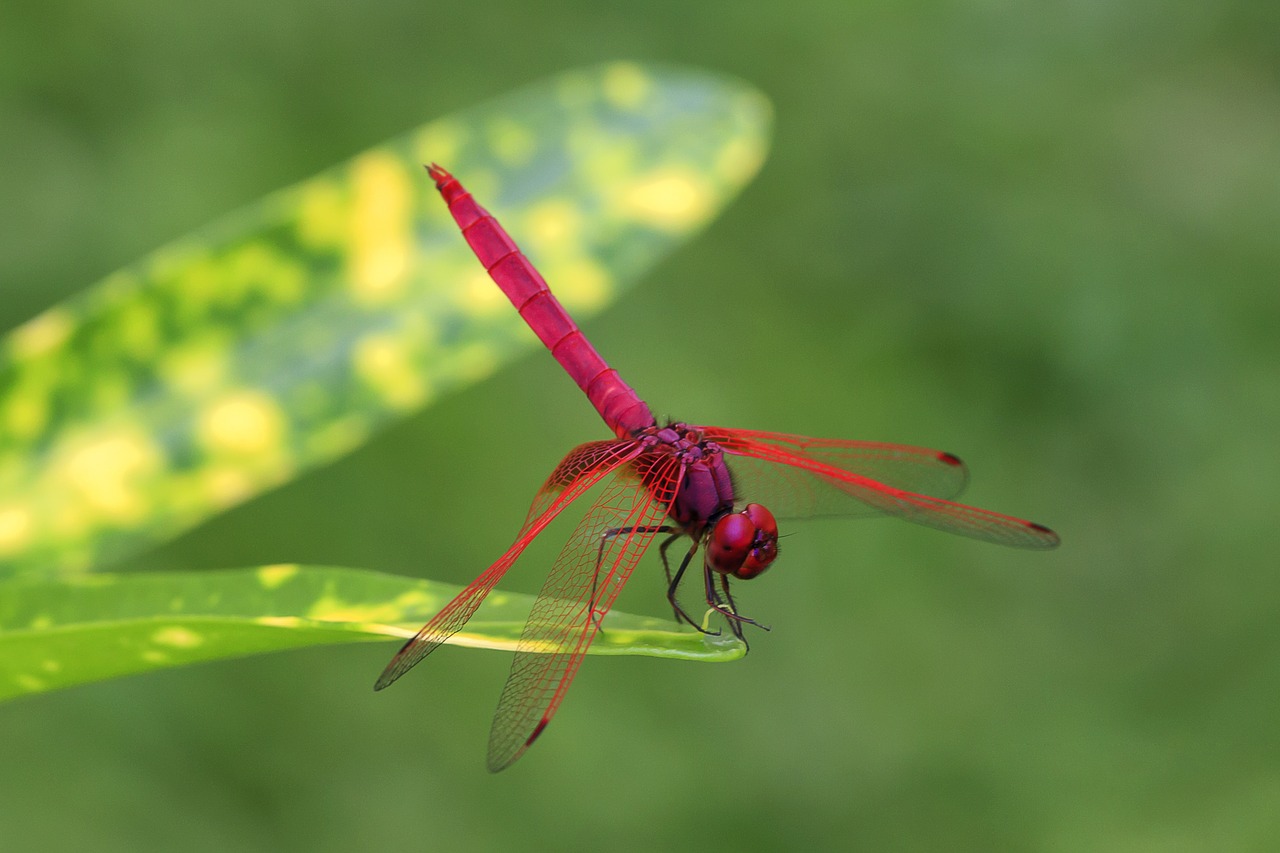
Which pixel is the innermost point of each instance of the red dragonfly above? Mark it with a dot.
(675, 480)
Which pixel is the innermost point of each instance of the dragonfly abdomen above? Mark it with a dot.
(619, 405)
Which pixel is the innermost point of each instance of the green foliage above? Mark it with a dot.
(58, 633)
(235, 359)
(1043, 236)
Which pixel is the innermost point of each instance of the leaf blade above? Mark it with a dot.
(57, 633)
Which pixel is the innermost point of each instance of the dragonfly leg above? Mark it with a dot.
(673, 583)
(724, 582)
(605, 538)
(726, 606)
(716, 604)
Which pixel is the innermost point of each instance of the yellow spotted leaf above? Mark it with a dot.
(58, 633)
(281, 338)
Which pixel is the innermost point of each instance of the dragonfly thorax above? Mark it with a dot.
(706, 489)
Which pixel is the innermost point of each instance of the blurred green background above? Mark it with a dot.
(1043, 236)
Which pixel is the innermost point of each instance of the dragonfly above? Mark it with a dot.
(721, 489)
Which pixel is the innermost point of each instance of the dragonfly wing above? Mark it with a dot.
(582, 459)
(804, 482)
(902, 466)
(589, 463)
(581, 587)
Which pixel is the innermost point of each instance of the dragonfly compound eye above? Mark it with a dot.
(743, 544)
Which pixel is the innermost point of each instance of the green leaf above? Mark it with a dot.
(58, 633)
(230, 361)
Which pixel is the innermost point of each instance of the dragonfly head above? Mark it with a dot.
(743, 544)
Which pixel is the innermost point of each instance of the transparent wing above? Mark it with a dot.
(800, 477)
(583, 458)
(792, 493)
(584, 467)
(578, 592)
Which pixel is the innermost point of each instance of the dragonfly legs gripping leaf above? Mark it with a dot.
(673, 583)
(724, 605)
(727, 607)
